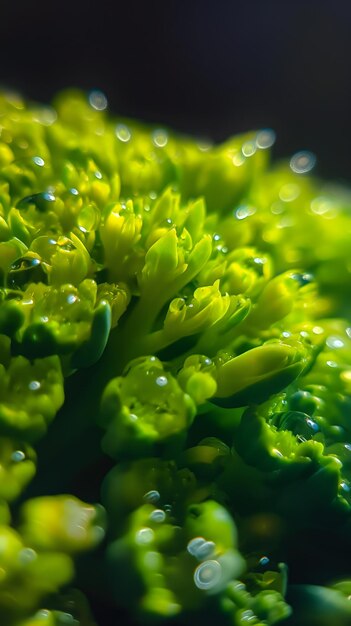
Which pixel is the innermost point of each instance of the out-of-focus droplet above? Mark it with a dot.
(17, 456)
(249, 148)
(98, 100)
(265, 138)
(144, 536)
(123, 133)
(45, 116)
(38, 161)
(158, 516)
(159, 138)
(334, 342)
(34, 385)
(207, 575)
(289, 192)
(303, 162)
(244, 211)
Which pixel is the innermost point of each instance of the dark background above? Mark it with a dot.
(209, 67)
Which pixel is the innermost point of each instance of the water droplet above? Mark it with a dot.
(277, 453)
(152, 496)
(27, 555)
(88, 218)
(98, 100)
(42, 614)
(71, 298)
(332, 364)
(39, 200)
(264, 561)
(244, 211)
(152, 560)
(303, 279)
(238, 159)
(17, 456)
(207, 575)
(38, 161)
(318, 330)
(194, 545)
(204, 145)
(265, 138)
(321, 205)
(159, 138)
(302, 162)
(74, 191)
(34, 385)
(25, 263)
(66, 618)
(48, 196)
(123, 133)
(247, 616)
(46, 116)
(289, 192)
(24, 270)
(344, 486)
(65, 244)
(334, 342)
(161, 381)
(249, 148)
(144, 536)
(158, 516)
(312, 424)
(205, 550)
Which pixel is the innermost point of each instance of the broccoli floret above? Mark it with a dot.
(175, 343)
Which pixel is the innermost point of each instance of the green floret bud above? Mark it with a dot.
(63, 320)
(198, 378)
(144, 409)
(28, 576)
(31, 392)
(17, 467)
(253, 376)
(61, 523)
(120, 232)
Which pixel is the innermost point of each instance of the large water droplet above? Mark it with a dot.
(26, 270)
(302, 162)
(41, 201)
(207, 575)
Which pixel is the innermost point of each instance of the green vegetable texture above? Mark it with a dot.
(175, 376)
